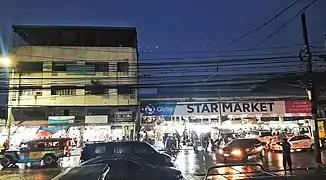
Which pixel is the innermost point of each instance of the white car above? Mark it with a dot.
(262, 136)
(298, 143)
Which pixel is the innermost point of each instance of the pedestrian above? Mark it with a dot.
(286, 147)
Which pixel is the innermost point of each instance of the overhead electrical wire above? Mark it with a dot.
(285, 24)
(189, 60)
(86, 49)
(176, 80)
(265, 23)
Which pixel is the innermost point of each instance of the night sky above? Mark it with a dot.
(170, 29)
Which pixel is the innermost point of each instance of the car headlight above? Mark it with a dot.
(236, 152)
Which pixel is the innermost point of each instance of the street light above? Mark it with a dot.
(7, 62)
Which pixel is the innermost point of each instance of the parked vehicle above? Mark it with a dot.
(120, 168)
(46, 150)
(263, 136)
(241, 149)
(298, 143)
(126, 149)
(92, 172)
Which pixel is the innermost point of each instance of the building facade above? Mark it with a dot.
(75, 76)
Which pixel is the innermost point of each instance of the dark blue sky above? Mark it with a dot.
(182, 28)
(172, 26)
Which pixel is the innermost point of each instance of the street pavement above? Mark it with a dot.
(192, 164)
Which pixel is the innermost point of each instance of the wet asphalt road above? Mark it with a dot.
(189, 162)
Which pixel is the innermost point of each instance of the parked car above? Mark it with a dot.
(121, 169)
(297, 142)
(127, 149)
(241, 149)
(263, 136)
(92, 172)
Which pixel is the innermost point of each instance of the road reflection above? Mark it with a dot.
(188, 162)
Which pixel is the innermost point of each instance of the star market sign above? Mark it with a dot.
(231, 107)
(212, 108)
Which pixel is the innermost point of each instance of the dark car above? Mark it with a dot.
(121, 169)
(126, 149)
(242, 149)
(92, 172)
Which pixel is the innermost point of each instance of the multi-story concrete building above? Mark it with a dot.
(75, 76)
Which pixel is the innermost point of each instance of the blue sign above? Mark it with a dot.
(61, 119)
(78, 69)
(160, 109)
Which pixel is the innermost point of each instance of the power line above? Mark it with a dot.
(221, 62)
(265, 23)
(142, 84)
(204, 66)
(285, 24)
(180, 52)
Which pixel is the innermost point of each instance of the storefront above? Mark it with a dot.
(119, 123)
(202, 116)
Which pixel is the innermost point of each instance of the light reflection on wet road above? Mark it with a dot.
(188, 161)
(192, 163)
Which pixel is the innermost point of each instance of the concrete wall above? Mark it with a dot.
(43, 97)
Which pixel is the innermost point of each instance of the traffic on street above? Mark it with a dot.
(135, 90)
(192, 164)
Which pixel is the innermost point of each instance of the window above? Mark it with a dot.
(254, 142)
(26, 92)
(297, 138)
(123, 67)
(119, 150)
(125, 90)
(101, 67)
(100, 149)
(64, 112)
(59, 67)
(29, 67)
(63, 91)
(240, 143)
(143, 150)
(306, 137)
(264, 134)
(95, 90)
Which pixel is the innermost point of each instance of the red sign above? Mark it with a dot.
(298, 107)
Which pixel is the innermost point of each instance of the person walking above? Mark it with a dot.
(286, 147)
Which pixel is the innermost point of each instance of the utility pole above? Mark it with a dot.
(305, 55)
(219, 103)
(219, 107)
